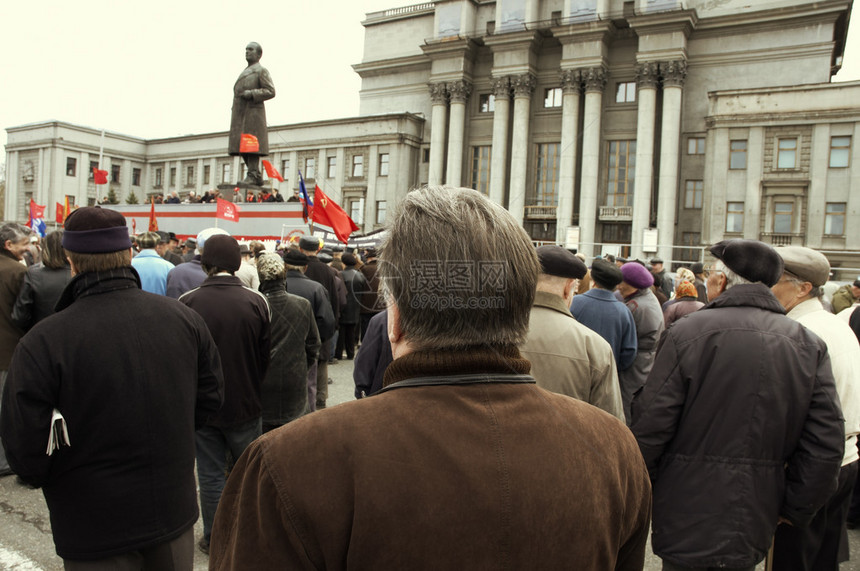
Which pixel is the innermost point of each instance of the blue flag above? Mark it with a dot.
(39, 227)
(307, 204)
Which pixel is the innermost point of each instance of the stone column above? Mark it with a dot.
(524, 86)
(647, 77)
(595, 81)
(459, 91)
(438, 121)
(752, 194)
(499, 158)
(673, 74)
(198, 182)
(571, 80)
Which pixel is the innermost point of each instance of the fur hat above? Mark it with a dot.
(222, 252)
(750, 259)
(606, 274)
(556, 261)
(94, 230)
(270, 267)
(636, 275)
(147, 240)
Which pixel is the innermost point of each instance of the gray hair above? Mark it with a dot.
(461, 269)
(732, 279)
(13, 231)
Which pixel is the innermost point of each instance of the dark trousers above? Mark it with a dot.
(667, 566)
(817, 547)
(346, 340)
(176, 555)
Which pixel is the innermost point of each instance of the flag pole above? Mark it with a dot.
(101, 155)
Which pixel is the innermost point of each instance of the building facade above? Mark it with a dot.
(645, 127)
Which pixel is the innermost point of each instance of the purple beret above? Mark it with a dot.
(750, 259)
(94, 230)
(636, 275)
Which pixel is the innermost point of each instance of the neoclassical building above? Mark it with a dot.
(645, 127)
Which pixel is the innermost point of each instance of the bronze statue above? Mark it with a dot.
(249, 114)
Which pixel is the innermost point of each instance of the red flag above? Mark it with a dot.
(272, 171)
(327, 211)
(99, 176)
(226, 210)
(153, 223)
(248, 144)
(36, 211)
(133, 226)
(61, 214)
(66, 210)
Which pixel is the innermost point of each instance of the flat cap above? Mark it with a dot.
(750, 259)
(656, 261)
(556, 261)
(606, 274)
(805, 263)
(294, 257)
(310, 243)
(636, 275)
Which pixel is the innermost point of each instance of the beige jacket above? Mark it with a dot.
(569, 358)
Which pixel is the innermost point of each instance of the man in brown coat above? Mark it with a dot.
(461, 461)
(15, 240)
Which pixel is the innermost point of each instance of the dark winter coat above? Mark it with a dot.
(375, 356)
(127, 480)
(12, 274)
(295, 344)
(322, 274)
(303, 286)
(239, 320)
(739, 424)
(185, 277)
(682, 306)
(248, 116)
(354, 282)
(370, 301)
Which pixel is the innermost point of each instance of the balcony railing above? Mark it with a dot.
(541, 212)
(781, 239)
(616, 213)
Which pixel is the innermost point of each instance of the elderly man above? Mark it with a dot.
(15, 239)
(739, 421)
(150, 266)
(252, 88)
(460, 454)
(635, 288)
(568, 357)
(122, 495)
(817, 546)
(189, 275)
(599, 310)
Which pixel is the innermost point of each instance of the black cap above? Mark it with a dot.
(556, 261)
(222, 251)
(606, 274)
(309, 243)
(294, 257)
(750, 259)
(94, 230)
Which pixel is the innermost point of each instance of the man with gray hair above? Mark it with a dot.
(461, 455)
(818, 546)
(738, 421)
(15, 240)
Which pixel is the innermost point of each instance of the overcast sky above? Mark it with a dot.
(166, 67)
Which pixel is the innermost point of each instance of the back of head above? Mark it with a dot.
(270, 267)
(221, 254)
(207, 233)
(460, 268)
(96, 239)
(148, 240)
(53, 255)
(749, 260)
(605, 274)
(685, 274)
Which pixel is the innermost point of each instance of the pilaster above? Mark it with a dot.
(501, 122)
(523, 86)
(594, 80)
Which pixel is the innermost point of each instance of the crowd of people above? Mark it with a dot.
(212, 196)
(516, 407)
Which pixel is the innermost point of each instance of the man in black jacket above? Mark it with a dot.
(239, 319)
(123, 490)
(739, 420)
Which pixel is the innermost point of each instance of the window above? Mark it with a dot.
(356, 211)
(158, 177)
(738, 154)
(425, 158)
(696, 146)
(241, 171)
(285, 168)
(486, 103)
(206, 170)
(310, 168)
(625, 92)
(621, 173)
(114, 173)
(71, 166)
(783, 216)
(383, 164)
(691, 240)
(225, 172)
(552, 97)
(93, 165)
(331, 167)
(71, 200)
(172, 176)
(693, 194)
(135, 177)
(480, 173)
(546, 174)
(358, 165)
(834, 219)
(380, 211)
(787, 154)
(189, 176)
(840, 149)
(734, 217)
